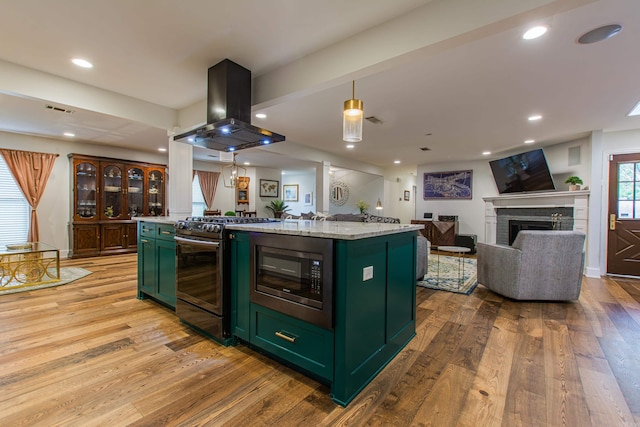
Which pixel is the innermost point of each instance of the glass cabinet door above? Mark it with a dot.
(112, 191)
(85, 207)
(155, 189)
(135, 193)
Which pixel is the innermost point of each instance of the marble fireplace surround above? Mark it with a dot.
(578, 201)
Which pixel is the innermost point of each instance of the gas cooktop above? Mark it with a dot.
(211, 227)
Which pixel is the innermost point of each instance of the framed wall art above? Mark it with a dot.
(448, 185)
(269, 188)
(407, 195)
(290, 192)
(308, 199)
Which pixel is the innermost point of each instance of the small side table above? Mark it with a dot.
(460, 251)
(28, 264)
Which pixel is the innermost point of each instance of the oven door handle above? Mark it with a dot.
(196, 242)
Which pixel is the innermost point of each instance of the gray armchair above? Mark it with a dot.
(541, 265)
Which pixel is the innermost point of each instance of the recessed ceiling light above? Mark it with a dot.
(82, 63)
(247, 163)
(635, 111)
(396, 162)
(534, 118)
(282, 173)
(599, 34)
(529, 141)
(162, 149)
(350, 146)
(534, 32)
(486, 153)
(69, 134)
(261, 115)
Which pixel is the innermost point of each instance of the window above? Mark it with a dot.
(197, 199)
(14, 211)
(629, 190)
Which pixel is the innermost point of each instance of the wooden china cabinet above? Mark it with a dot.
(106, 194)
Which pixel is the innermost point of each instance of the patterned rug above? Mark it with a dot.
(67, 275)
(445, 276)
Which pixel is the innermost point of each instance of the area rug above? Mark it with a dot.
(445, 278)
(67, 275)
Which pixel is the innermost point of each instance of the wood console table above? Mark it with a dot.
(439, 233)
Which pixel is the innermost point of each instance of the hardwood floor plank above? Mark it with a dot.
(89, 353)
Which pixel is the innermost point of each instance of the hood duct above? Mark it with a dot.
(229, 125)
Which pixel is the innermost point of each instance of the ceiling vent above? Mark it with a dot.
(58, 109)
(425, 148)
(374, 120)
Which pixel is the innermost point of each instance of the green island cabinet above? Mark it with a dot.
(157, 262)
(373, 319)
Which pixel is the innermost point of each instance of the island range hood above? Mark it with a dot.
(229, 125)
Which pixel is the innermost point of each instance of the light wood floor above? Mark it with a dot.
(89, 353)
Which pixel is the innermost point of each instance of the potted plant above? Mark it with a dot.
(574, 183)
(278, 207)
(362, 205)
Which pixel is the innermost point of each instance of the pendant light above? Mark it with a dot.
(231, 172)
(379, 204)
(352, 117)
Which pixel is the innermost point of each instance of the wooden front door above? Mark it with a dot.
(623, 253)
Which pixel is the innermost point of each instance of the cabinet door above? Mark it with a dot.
(240, 306)
(113, 205)
(113, 236)
(166, 268)
(131, 235)
(155, 192)
(147, 266)
(86, 240)
(135, 190)
(85, 173)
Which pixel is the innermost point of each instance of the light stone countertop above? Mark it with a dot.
(171, 219)
(341, 230)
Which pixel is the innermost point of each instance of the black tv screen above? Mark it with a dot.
(522, 172)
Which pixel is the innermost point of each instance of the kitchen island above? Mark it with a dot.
(372, 301)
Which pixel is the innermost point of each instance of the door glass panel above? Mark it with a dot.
(112, 190)
(625, 191)
(156, 193)
(637, 171)
(86, 191)
(625, 209)
(625, 172)
(637, 215)
(135, 194)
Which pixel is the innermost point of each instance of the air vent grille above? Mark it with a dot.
(425, 148)
(59, 109)
(374, 120)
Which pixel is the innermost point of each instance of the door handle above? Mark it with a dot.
(286, 337)
(612, 221)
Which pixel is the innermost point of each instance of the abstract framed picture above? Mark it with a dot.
(308, 199)
(448, 185)
(290, 192)
(269, 188)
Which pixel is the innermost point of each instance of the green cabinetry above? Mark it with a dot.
(157, 262)
(373, 319)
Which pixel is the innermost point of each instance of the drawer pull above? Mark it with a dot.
(286, 337)
(145, 230)
(165, 232)
(144, 241)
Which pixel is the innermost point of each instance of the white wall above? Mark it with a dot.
(471, 212)
(55, 205)
(362, 186)
(306, 182)
(395, 184)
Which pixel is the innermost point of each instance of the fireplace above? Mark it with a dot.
(515, 226)
(563, 210)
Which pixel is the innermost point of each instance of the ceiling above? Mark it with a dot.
(456, 90)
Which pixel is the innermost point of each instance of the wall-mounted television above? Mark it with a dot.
(522, 172)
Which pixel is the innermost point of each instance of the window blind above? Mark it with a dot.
(14, 209)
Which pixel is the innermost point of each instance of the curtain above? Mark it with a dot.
(31, 171)
(208, 185)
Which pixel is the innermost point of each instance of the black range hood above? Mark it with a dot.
(229, 125)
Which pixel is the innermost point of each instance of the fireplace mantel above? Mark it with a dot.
(578, 200)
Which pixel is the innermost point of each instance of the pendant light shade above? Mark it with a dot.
(230, 173)
(352, 117)
(379, 204)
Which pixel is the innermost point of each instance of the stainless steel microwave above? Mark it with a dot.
(293, 275)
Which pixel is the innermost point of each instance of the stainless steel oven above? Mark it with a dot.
(293, 275)
(202, 279)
